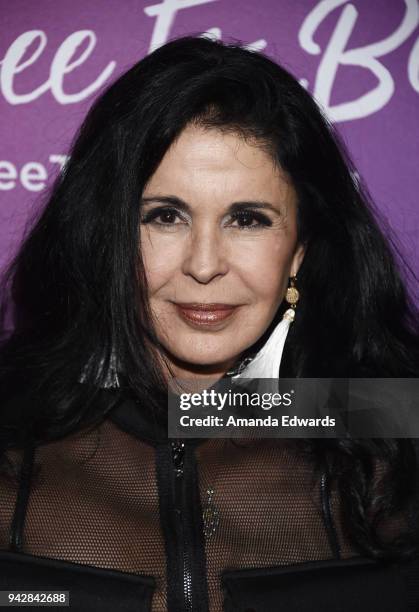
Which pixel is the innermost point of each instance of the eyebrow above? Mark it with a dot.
(234, 207)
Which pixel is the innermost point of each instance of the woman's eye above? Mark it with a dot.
(250, 220)
(165, 216)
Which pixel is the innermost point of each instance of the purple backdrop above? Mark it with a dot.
(360, 60)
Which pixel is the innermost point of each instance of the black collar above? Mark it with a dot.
(132, 416)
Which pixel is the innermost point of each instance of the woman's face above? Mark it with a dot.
(219, 242)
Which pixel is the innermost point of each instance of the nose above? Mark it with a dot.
(206, 255)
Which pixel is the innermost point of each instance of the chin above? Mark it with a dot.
(203, 358)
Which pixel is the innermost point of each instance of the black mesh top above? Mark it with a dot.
(126, 519)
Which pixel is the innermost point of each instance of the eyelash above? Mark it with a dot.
(262, 220)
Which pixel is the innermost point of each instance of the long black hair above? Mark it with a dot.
(78, 286)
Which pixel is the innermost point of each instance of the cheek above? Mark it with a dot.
(161, 259)
(265, 269)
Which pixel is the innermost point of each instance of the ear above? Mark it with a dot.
(297, 259)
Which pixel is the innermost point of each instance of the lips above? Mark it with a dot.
(205, 314)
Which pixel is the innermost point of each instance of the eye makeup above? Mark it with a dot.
(246, 215)
(173, 212)
(245, 218)
(169, 213)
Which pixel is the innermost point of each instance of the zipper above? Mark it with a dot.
(22, 499)
(178, 456)
(327, 516)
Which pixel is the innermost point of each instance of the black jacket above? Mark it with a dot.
(125, 519)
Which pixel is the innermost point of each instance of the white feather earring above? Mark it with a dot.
(265, 364)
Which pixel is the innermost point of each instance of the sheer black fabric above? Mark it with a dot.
(126, 519)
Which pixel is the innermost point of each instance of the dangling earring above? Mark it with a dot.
(292, 296)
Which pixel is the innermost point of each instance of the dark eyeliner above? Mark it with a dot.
(156, 212)
(262, 219)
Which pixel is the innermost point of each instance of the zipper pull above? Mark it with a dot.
(178, 452)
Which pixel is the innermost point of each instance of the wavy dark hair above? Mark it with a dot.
(79, 291)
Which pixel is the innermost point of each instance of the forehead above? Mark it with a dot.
(209, 161)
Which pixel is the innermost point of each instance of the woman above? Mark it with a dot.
(206, 209)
